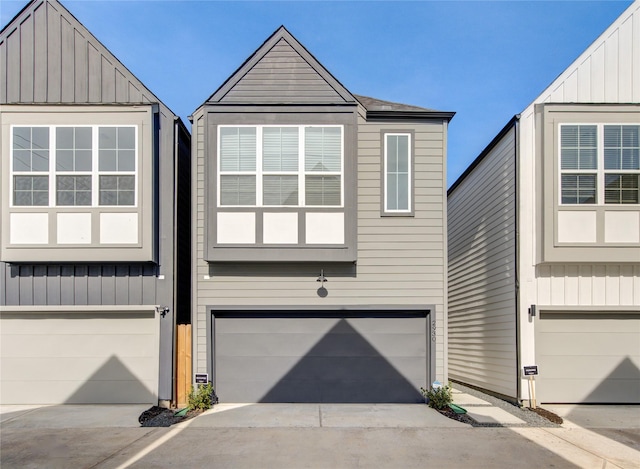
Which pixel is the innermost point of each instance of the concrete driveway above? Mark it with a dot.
(310, 435)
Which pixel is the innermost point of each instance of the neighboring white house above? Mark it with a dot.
(544, 238)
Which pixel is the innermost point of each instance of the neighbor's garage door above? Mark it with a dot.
(316, 357)
(73, 358)
(588, 357)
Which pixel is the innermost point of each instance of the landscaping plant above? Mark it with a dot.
(202, 397)
(439, 397)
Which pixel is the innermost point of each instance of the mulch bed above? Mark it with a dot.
(547, 414)
(464, 418)
(162, 417)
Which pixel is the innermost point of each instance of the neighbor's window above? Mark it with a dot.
(599, 164)
(280, 166)
(397, 173)
(87, 165)
(621, 164)
(30, 166)
(579, 163)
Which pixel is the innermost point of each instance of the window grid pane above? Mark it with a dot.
(622, 147)
(73, 149)
(237, 190)
(323, 149)
(31, 190)
(31, 149)
(323, 190)
(73, 190)
(622, 189)
(579, 147)
(280, 190)
(117, 190)
(116, 149)
(578, 188)
(280, 149)
(237, 149)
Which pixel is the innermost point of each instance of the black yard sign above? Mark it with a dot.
(531, 370)
(202, 378)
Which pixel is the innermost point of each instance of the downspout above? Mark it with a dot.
(174, 364)
(516, 140)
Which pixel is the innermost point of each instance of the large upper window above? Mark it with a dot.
(298, 166)
(397, 173)
(599, 164)
(74, 165)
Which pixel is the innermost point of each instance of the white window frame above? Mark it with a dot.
(600, 170)
(259, 173)
(409, 208)
(95, 173)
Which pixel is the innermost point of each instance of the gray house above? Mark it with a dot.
(544, 238)
(319, 237)
(94, 263)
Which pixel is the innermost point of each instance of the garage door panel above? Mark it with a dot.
(593, 391)
(65, 345)
(261, 325)
(611, 366)
(33, 369)
(43, 324)
(581, 343)
(587, 358)
(268, 344)
(326, 359)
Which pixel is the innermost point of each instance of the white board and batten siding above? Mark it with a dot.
(482, 276)
(401, 260)
(608, 71)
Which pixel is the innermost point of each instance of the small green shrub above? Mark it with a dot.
(438, 398)
(202, 397)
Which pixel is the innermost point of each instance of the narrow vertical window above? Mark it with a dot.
(30, 166)
(397, 173)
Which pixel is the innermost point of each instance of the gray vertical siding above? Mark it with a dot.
(482, 276)
(47, 56)
(79, 284)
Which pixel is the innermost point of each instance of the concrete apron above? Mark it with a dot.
(323, 415)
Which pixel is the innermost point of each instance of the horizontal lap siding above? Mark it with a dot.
(400, 259)
(482, 296)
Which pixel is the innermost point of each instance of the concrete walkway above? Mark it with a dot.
(310, 435)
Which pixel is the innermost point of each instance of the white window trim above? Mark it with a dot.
(301, 173)
(94, 173)
(600, 172)
(408, 210)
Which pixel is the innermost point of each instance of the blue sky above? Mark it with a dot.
(484, 60)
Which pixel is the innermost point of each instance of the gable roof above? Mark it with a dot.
(285, 67)
(48, 56)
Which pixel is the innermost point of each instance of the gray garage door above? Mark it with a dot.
(320, 357)
(591, 358)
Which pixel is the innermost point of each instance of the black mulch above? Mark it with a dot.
(161, 417)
